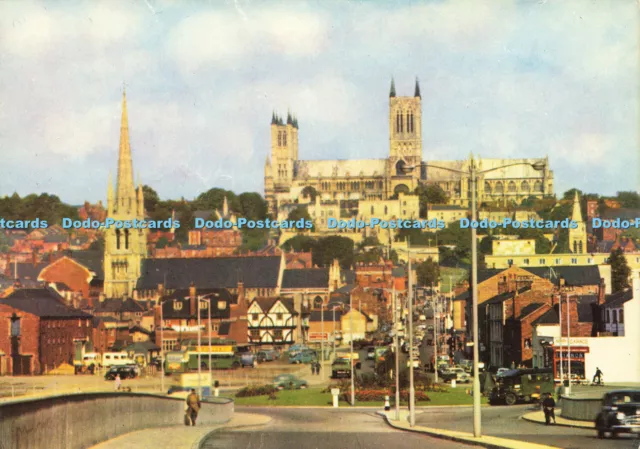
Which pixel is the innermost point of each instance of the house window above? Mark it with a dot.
(527, 343)
(621, 313)
(542, 261)
(254, 316)
(574, 261)
(255, 334)
(277, 334)
(15, 326)
(526, 261)
(608, 319)
(615, 316)
(589, 260)
(177, 305)
(558, 261)
(278, 316)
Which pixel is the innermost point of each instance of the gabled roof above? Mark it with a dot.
(618, 298)
(549, 317)
(170, 310)
(483, 275)
(27, 270)
(587, 305)
(114, 305)
(224, 328)
(529, 309)
(267, 303)
(42, 302)
(217, 272)
(574, 276)
(505, 296)
(306, 278)
(91, 259)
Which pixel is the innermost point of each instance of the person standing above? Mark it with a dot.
(193, 406)
(548, 406)
(118, 382)
(598, 376)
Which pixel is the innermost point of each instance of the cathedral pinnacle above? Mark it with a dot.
(125, 190)
(392, 91)
(576, 213)
(273, 118)
(417, 90)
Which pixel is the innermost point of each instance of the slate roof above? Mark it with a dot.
(504, 296)
(306, 278)
(142, 346)
(573, 275)
(266, 303)
(549, 317)
(41, 302)
(623, 213)
(28, 271)
(114, 305)
(218, 272)
(91, 259)
(529, 309)
(169, 309)
(619, 298)
(56, 238)
(587, 305)
(483, 275)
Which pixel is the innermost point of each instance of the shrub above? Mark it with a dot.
(256, 390)
(378, 395)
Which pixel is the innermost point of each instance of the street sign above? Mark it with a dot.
(318, 336)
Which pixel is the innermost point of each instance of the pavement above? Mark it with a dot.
(181, 436)
(462, 437)
(538, 417)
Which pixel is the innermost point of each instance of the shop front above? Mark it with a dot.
(575, 356)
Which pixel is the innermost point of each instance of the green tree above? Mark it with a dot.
(251, 206)
(334, 247)
(299, 243)
(629, 199)
(620, 271)
(371, 256)
(253, 239)
(569, 194)
(430, 194)
(214, 199)
(298, 213)
(162, 242)
(486, 245)
(428, 272)
(310, 192)
(151, 198)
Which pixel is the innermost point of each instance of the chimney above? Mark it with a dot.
(34, 258)
(241, 297)
(601, 292)
(561, 281)
(192, 300)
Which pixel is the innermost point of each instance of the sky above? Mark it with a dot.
(498, 79)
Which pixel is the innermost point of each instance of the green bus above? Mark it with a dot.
(224, 355)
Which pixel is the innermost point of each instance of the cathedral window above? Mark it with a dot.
(524, 187)
(580, 247)
(575, 247)
(401, 122)
(126, 239)
(386, 211)
(118, 238)
(537, 187)
(284, 138)
(279, 138)
(398, 119)
(372, 210)
(499, 188)
(512, 187)
(487, 188)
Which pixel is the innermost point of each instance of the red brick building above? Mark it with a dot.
(38, 332)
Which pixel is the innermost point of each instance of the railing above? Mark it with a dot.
(83, 420)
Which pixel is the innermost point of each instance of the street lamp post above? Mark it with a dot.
(473, 175)
(199, 352)
(353, 367)
(568, 392)
(161, 348)
(412, 391)
(435, 334)
(322, 338)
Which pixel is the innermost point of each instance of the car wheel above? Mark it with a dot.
(280, 387)
(510, 399)
(601, 434)
(303, 386)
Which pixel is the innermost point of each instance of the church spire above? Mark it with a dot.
(576, 214)
(125, 191)
(416, 93)
(392, 91)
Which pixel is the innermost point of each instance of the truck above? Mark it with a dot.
(343, 364)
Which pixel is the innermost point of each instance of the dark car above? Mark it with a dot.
(371, 353)
(126, 372)
(620, 413)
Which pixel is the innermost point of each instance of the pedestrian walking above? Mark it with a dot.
(598, 376)
(317, 368)
(118, 382)
(313, 368)
(549, 405)
(193, 407)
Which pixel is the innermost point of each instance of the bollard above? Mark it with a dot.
(335, 392)
(453, 383)
(387, 406)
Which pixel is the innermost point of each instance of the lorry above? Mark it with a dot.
(343, 364)
(521, 385)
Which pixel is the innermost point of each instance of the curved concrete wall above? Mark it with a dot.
(83, 420)
(581, 409)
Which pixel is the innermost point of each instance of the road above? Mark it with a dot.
(503, 421)
(321, 428)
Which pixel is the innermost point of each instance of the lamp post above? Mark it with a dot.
(412, 391)
(568, 392)
(353, 367)
(199, 353)
(435, 334)
(161, 347)
(322, 337)
(473, 175)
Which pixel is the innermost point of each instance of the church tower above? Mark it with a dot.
(578, 236)
(124, 248)
(278, 176)
(405, 138)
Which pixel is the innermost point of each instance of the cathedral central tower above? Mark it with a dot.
(124, 248)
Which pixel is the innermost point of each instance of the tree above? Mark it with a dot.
(162, 242)
(430, 194)
(310, 192)
(629, 199)
(619, 270)
(486, 245)
(151, 199)
(298, 213)
(428, 272)
(334, 247)
(253, 239)
(251, 206)
(299, 243)
(214, 199)
(570, 194)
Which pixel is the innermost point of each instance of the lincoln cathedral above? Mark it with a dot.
(289, 180)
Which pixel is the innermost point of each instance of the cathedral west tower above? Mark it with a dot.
(124, 248)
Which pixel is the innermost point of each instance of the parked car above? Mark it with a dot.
(620, 413)
(265, 356)
(304, 356)
(371, 353)
(461, 375)
(248, 359)
(126, 372)
(289, 381)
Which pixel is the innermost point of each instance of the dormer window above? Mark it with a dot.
(222, 305)
(177, 305)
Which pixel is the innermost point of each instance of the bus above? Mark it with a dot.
(224, 355)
